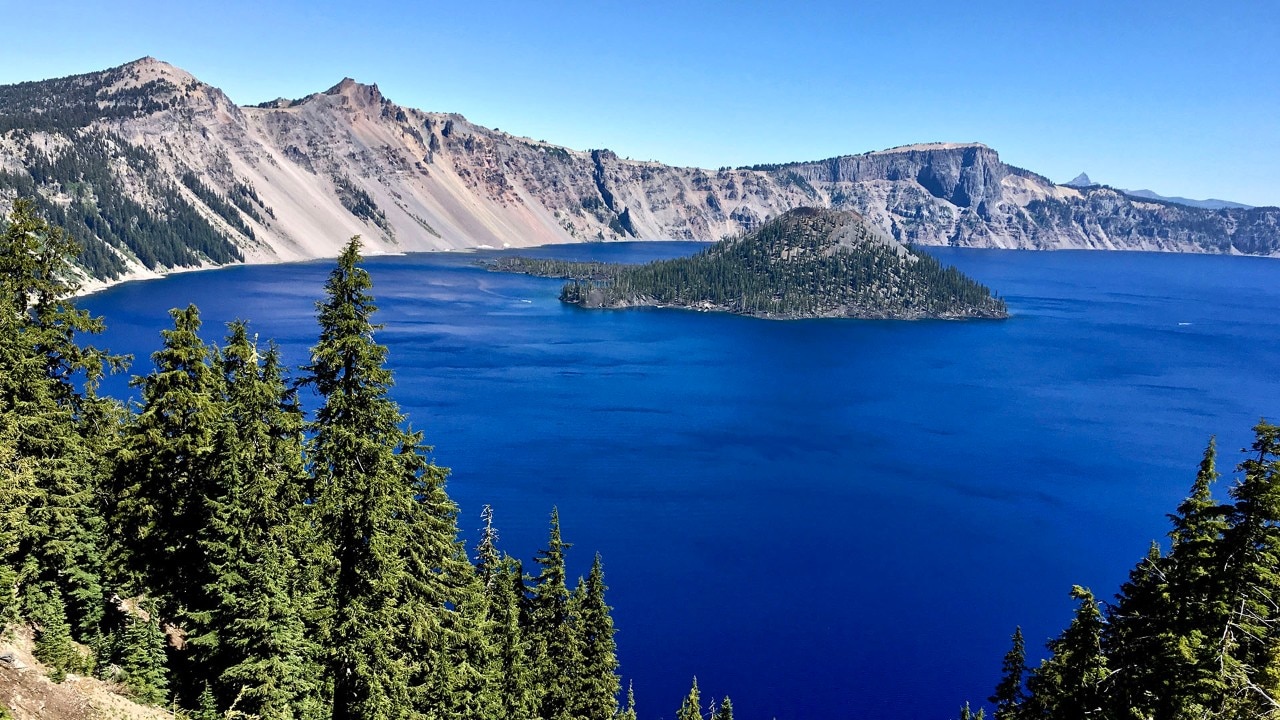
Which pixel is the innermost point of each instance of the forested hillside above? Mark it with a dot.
(218, 550)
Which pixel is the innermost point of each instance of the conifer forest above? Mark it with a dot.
(220, 550)
(215, 550)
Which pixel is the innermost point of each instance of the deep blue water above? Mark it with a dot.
(817, 518)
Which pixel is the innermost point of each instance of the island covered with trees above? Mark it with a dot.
(806, 263)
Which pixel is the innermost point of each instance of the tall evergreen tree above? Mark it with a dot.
(445, 605)
(596, 695)
(1138, 640)
(691, 708)
(47, 386)
(142, 660)
(375, 496)
(1161, 635)
(17, 488)
(168, 475)
(503, 581)
(555, 650)
(1249, 553)
(1068, 684)
(53, 646)
(725, 711)
(260, 656)
(629, 711)
(1009, 694)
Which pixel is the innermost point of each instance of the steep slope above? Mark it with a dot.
(153, 170)
(27, 693)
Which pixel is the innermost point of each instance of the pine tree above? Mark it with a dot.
(142, 661)
(257, 646)
(208, 708)
(691, 708)
(375, 495)
(725, 711)
(629, 712)
(53, 635)
(1249, 553)
(488, 559)
(555, 652)
(167, 479)
(1009, 694)
(17, 488)
(47, 382)
(443, 601)
(1160, 635)
(596, 694)
(503, 581)
(1068, 684)
(167, 474)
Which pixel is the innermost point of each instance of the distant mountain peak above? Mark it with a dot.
(358, 93)
(1082, 180)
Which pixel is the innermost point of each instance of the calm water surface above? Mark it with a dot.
(817, 518)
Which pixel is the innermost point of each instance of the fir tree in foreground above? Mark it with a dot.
(1193, 634)
(366, 470)
(260, 565)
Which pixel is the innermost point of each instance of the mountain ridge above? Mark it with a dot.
(147, 145)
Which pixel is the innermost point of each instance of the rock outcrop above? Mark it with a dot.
(153, 169)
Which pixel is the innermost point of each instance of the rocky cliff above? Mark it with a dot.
(153, 170)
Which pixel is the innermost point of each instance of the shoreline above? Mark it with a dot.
(91, 286)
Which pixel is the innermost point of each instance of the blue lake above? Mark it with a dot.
(816, 518)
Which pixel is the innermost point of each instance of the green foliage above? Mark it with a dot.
(1009, 694)
(360, 203)
(806, 263)
(17, 488)
(725, 711)
(263, 566)
(168, 473)
(691, 708)
(555, 648)
(1194, 633)
(218, 204)
(172, 233)
(629, 712)
(53, 635)
(49, 416)
(258, 646)
(596, 695)
(142, 661)
(78, 101)
(1069, 682)
(358, 450)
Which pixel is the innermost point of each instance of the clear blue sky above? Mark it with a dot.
(1180, 97)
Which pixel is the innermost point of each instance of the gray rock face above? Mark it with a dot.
(963, 175)
(300, 177)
